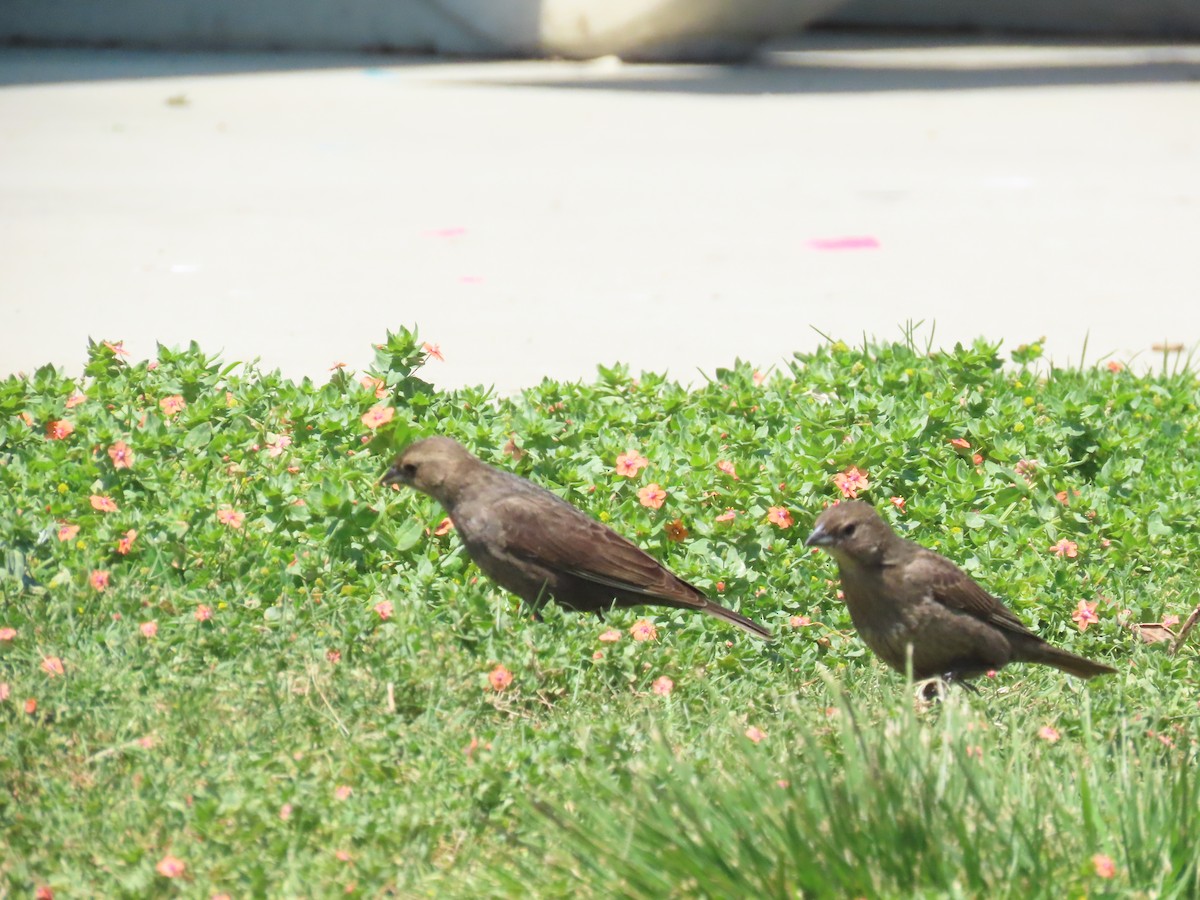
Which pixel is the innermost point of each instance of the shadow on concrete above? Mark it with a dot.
(35, 65)
(819, 78)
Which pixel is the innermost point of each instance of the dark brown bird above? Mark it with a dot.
(537, 545)
(902, 596)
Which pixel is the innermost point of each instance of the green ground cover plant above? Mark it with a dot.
(231, 663)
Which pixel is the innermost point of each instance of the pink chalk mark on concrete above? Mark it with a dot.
(470, 279)
(844, 243)
(452, 232)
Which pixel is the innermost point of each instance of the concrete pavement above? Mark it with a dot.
(538, 218)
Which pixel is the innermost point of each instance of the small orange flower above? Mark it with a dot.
(644, 630)
(663, 686)
(728, 516)
(52, 666)
(125, 544)
(799, 621)
(231, 517)
(1168, 621)
(977, 459)
(7, 634)
(377, 385)
(1085, 614)
(727, 467)
(1104, 865)
(276, 447)
(384, 609)
(780, 517)
(675, 531)
(67, 532)
(377, 416)
(343, 792)
(203, 613)
(117, 347)
(611, 636)
(629, 464)
(170, 867)
(652, 496)
(59, 429)
(758, 378)
(75, 399)
(757, 735)
(104, 504)
(26, 418)
(499, 678)
(1065, 548)
(851, 482)
(172, 406)
(99, 580)
(334, 656)
(5, 690)
(44, 892)
(30, 706)
(121, 455)
(148, 629)
(960, 443)
(444, 527)
(1049, 734)
(434, 351)
(336, 366)
(898, 502)
(1115, 366)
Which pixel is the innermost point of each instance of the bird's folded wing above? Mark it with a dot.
(569, 541)
(955, 589)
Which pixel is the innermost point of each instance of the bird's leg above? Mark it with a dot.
(956, 678)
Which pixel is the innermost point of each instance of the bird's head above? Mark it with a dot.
(851, 531)
(432, 466)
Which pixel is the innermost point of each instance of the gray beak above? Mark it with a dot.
(394, 475)
(819, 538)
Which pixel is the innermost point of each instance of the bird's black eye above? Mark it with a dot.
(409, 469)
(849, 528)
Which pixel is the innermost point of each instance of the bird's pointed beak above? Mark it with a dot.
(819, 538)
(394, 475)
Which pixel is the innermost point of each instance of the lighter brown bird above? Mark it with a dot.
(904, 598)
(537, 545)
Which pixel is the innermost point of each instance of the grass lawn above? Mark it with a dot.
(232, 664)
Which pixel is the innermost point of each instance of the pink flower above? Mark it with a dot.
(203, 613)
(67, 532)
(277, 446)
(171, 406)
(960, 443)
(728, 516)
(1065, 548)
(148, 629)
(7, 634)
(643, 630)
(1104, 865)
(652, 496)
(59, 430)
(799, 621)
(343, 792)
(384, 609)
(499, 678)
(5, 691)
(285, 812)
(121, 455)
(726, 466)
(125, 544)
(1114, 366)
(103, 504)
(434, 351)
(611, 636)
(1085, 615)
(1049, 734)
(52, 666)
(75, 399)
(757, 735)
(629, 464)
(99, 580)
(334, 656)
(663, 686)
(1168, 621)
(117, 347)
(231, 517)
(851, 482)
(378, 416)
(780, 517)
(170, 867)
(758, 378)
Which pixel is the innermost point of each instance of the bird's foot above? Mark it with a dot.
(936, 688)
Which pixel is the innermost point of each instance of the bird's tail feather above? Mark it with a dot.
(728, 615)
(1064, 660)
